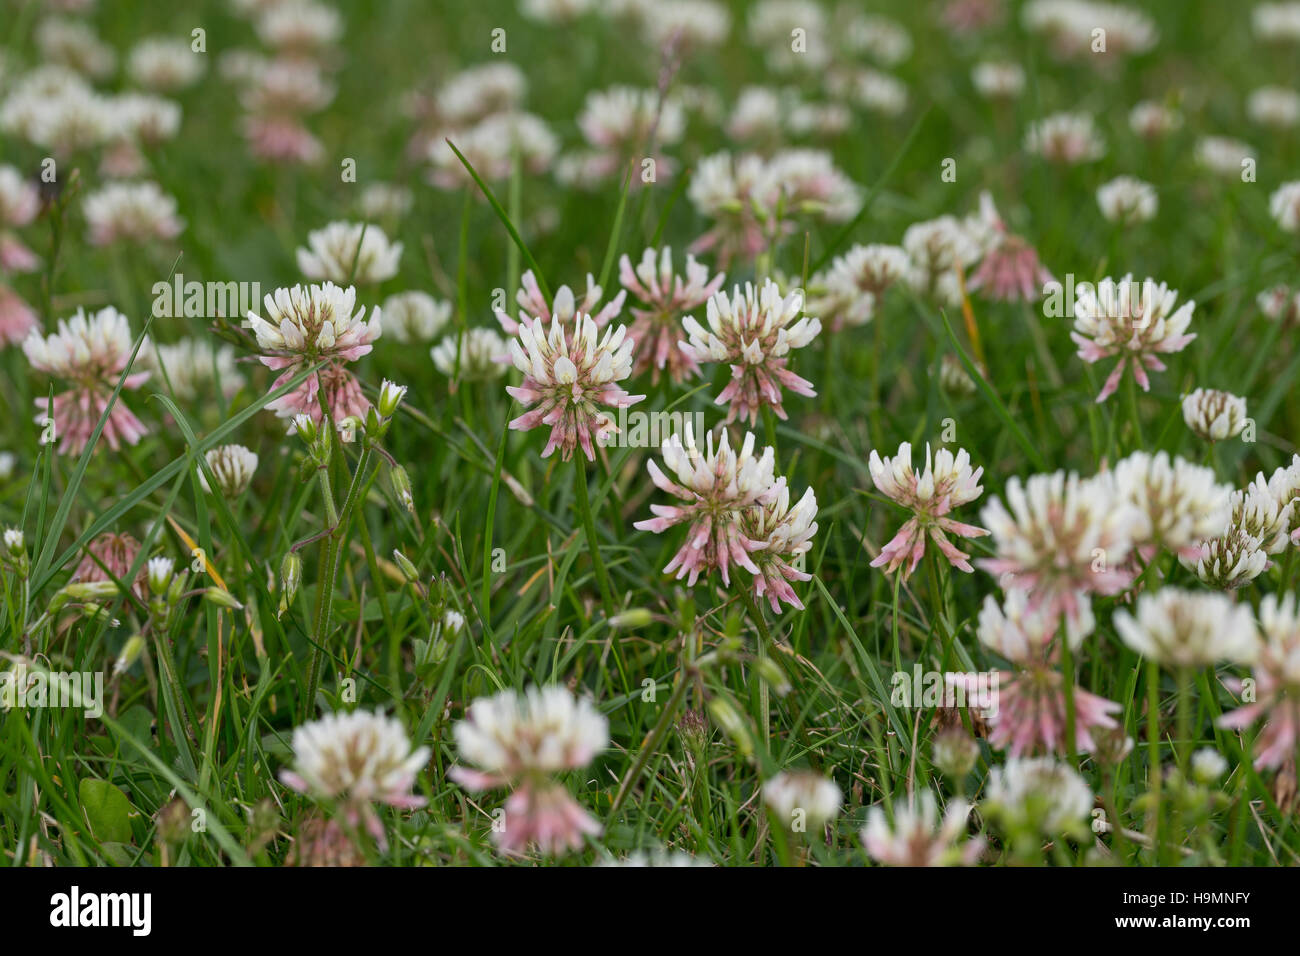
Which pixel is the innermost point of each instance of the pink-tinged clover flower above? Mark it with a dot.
(718, 486)
(90, 352)
(947, 482)
(666, 297)
(1061, 538)
(131, 212)
(1277, 685)
(356, 760)
(1134, 322)
(1182, 503)
(109, 557)
(307, 324)
(524, 741)
(567, 377)
(753, 331)
(1030, 712)
(786, 533)
(565, 305)
(919, 837)
(17, 319)
(1009, 270)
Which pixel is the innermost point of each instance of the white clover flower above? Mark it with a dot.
(1284, 486)
(287, 88)
(484, 355)
(1214, 415)
(415, 316)
(478, 92)
(1038, 796)
(232, 467)
(879, 92)
(1230, 561)
(1152, 120)
(131, 212)
(78, 119)
(771, 25)
(1208, 765)
(147, 118)
(544, 730)
(1274, 106)
(1284, 206)
(1258, 512)
(1224, 156)
(1183, 503)
(14, 541)
(819, 119)
(1067, 138)
(849, 292)
(754, 331)
(936, 249)
(164, 64)
(1135, 322)
(760, 113)
(74, 44)
(619, 120)
(786, 533)
(555, 11)
(662, 858)
(347, 252)
(193, 367)
(1279, 303)
(1126, 199)
(918, 837)
(662, 297)
(356, 759)
(1186, 629)
(384, 201)
(310, 322)
(998, 80)
(300, 27)
(884, 40)
(811, 183)
(1276, 22)
(491, 147)
(802, 799)
(1073, 27)
(688, 23)
(20, 200)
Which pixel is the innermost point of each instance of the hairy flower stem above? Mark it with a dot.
(589, 527)
(324, 591)
(1132, 389)
(1153, 754)
(764, 641)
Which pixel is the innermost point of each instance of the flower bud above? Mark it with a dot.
(953, 754)
(15, 545)
(632, 618)
(290, 578)
(726, 716)
(89, 591)
(130, 653)
(408, 569)
(221, 598)
(402, 487)
(773, 675)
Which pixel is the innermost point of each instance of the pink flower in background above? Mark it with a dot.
(568, 378)
(947, 482)
(565, 305)
(16, 317)
(110, 556)
(1277, 685)
(282, 139)
(341, 391)
(524, 741)
(1009, 270)
(667, 296)
(90, 353)
(753, 331)
(717, 486)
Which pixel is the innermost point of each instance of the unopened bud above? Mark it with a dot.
(402, 487)
(632, 618)
(774, 675)
(130, 653)
(221, 598)
(89, 591)
(733, 725)
(406, 566)
(290, 578)
(953, 754)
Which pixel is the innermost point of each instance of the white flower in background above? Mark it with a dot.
(1067, 138)
(1040, 797)
(761, 113)
(232, 466)
(164, 64)
(555, 11)
(564, 305)
(1127, 199)
(75, 120)
(811, 183)
(7, 461)
(1189, 629)
(819, 119)
(74, 44)
(523, 741)
(1208, 765)
(918, 837)
(936, 249)
(1257, 511)
(147, 118)
(1224, 156)
(1183, 503)
(692, 24)
(131, 212)
(491, 147)
(348, 252)
(384, 201)
(884, 40)
(1229, 561)
(1284, 486)
(415, 316)
(299, 28)
(355, 760)
(953, 377)
(475, 93)
(1071, 27)
(657, 858)
(850, 291)
(879, 92)
(1276, 22)
(193, 368)
(288, 88)
(1277, 692)
(771, 26)
(1132, 321)
(802, 799)
(619, 123)
(1279, 303)
(1152, 120)
(1274, 106)
(1284, 205)
(484, 355)
(1214, 415)
(998, 80)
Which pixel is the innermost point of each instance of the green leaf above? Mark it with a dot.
(107, 811)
